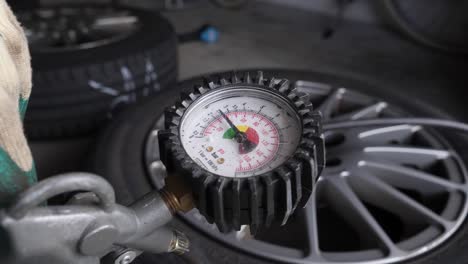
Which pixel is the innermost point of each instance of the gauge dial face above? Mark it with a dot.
(240, 131)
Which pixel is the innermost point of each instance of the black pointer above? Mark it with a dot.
(239, 135)
(246, 145)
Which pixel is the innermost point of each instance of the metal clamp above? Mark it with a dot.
(60, 184)
(93, 226)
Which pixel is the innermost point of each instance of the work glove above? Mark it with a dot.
(16, 165)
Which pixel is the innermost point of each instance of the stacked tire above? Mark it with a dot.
(76, 90)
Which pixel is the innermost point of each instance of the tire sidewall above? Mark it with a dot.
(153, 30)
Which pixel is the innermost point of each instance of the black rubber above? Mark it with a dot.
(230, 4)
(421, 21)
(63, 102)
(119, 158)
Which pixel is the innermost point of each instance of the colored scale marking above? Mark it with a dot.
(251, 134)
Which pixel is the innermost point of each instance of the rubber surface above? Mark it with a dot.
(436, 24)
(76, 91)
(230, 4)
(119, 158)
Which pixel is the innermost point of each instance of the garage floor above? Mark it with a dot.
(269, 36)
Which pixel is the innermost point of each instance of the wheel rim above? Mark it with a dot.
(388, 194)
(72, 28)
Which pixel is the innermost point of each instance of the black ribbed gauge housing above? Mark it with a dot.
(258, 200)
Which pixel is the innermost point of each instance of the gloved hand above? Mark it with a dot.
(16, 165)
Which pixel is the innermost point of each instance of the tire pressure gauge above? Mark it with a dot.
(251, 147)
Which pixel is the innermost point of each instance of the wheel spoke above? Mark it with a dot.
(420, 157)
(310, 215)
(372, 111)
(267, 247)
(404, 177)
(378, 193)
(384, 135)
(330, 104)
(347, 204)
(312, 88)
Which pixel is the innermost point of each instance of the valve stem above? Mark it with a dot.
(180, 243)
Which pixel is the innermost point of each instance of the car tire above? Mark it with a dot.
(230, 4)
(119, 158)
(411, 22)
(76, 90)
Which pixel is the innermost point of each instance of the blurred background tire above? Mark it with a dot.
(90, 61)
(230, 4)
(437, 24)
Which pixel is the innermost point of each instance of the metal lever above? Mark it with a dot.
(83, 233)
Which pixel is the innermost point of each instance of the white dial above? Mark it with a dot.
(240, 132)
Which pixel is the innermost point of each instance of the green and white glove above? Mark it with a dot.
(16, 165)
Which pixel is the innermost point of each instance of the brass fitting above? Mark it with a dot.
(177, 194)
(178, 202)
